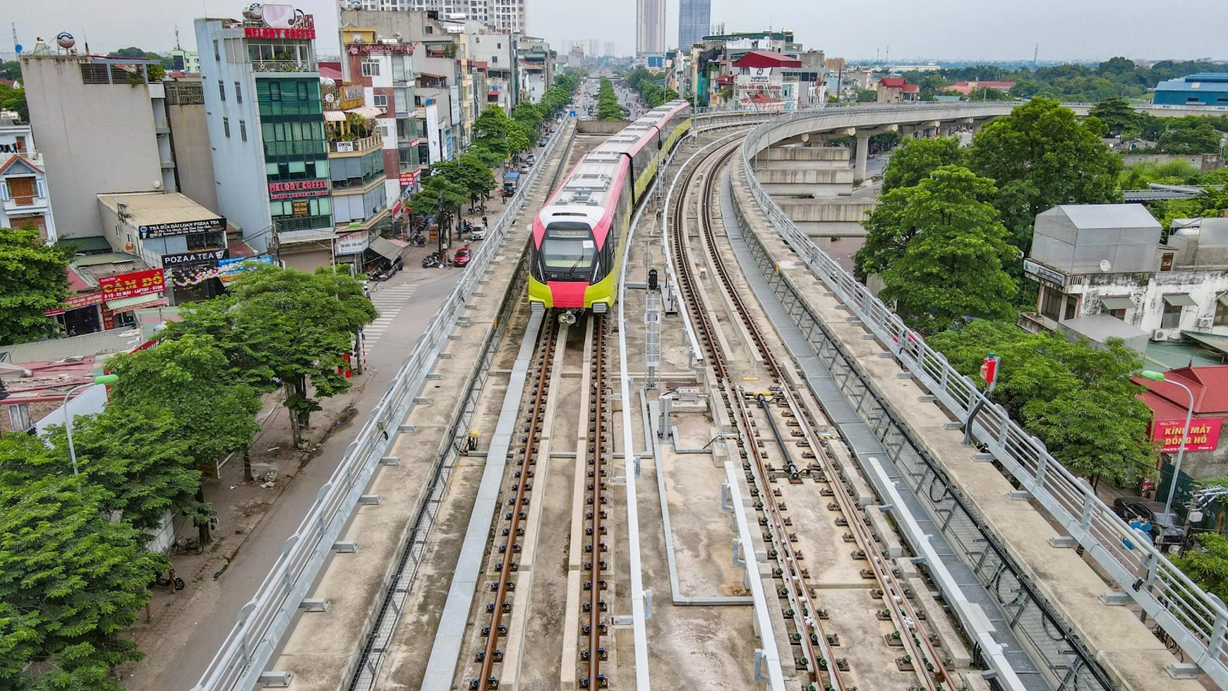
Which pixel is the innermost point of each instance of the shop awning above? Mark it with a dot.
(367, 111)
(334, 116)
(1180, 300)
(137, 302)
(383, 247)
(1117, 303)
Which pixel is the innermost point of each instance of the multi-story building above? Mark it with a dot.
(25, 201)
(494, 53)
(1103, 272)
(609, 49)
(504, 15)
(185, 111)
(186, 61)
(694, 22)
(650, 28)
(266, 125)
(378, 73)
(101, 126)
(534, 71)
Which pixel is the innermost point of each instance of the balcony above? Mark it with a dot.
(25, 204)
(359, 145)
(284, 66)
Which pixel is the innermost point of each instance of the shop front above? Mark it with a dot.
(125, 293)
(80, 314)
(193, 276)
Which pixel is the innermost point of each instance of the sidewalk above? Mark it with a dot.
(185, 629)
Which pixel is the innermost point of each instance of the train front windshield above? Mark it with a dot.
(568, 251)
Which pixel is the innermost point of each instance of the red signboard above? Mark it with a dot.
(1203, 435)
(74, 302)
(132, 284)
(269, 32)
(298, 189)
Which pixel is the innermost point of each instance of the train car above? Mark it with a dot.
(578, 237)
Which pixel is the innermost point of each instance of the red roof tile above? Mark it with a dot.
(759, 58)
(332, 70)
(893, 82)
(1169, 401)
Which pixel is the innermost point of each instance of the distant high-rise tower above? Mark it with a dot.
(650, 31)
(594, 47)
(609, 48)
(505, 15)
(694, 22)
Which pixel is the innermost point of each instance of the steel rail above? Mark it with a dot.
(803, 612)
(521, 485)
(598, 399)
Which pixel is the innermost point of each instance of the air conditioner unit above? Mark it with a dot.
(1159, 335)
(1204, 322)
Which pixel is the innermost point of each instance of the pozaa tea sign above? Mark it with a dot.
(1203, 435)
(131, 284)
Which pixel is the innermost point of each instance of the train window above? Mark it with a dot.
(568, 246)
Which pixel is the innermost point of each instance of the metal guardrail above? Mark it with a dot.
(263, 621)
(1194, 619)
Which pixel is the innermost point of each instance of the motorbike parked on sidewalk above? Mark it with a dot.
(167, 580)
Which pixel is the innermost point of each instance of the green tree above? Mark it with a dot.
(987, 94)
(14, 100)
(1118, 117)
(952, 266)
(33, 280)
(917, 158)
(1040, 156)
(889, 229)
(519, 137)
(215, 413)
(10, 69)
(1075, 397)
(490, 131)
(282, 328)
(528, 115)
(70, 579)
(1207, 564)
(1202, 138)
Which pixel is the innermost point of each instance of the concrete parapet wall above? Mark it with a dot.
(825, 211)
(806, 176)
(600, 126)
(806, 153)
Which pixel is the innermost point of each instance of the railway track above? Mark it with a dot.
(519, 494)
(593, 653)
(813, 644)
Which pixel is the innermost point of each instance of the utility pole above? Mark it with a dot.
(1035, 54)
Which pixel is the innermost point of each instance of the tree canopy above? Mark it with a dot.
(650, 87)
(284, 328)
(1075, 397)
(917, 158)
(607, 102)
(951, 264)
(70, 579)
(32, 281)
(1040, 156)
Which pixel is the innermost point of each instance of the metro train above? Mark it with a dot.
(578, 237)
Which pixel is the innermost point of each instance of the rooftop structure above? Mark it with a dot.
(1207, 88)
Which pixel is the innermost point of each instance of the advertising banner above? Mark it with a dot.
(76, 302)
(201, 258)
(161, 230)
(352, 243)
(231, 269)
(298, 189)
(131, 284)
(1203, 434)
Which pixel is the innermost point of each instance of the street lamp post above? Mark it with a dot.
(72, 453)
(1185, 433)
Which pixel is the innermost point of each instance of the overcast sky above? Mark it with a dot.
(933, 29)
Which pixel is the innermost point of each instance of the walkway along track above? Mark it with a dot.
(521, 486)
(805, 615)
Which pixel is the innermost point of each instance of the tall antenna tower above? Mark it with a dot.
(1035, 54)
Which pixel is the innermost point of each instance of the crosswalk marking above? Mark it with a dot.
(388, 302)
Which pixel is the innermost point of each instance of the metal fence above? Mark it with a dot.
(1196, 620)
(267, 616)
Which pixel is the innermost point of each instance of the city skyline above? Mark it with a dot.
(840, 28)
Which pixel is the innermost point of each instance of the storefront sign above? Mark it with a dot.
(352, 93)
(1203, 435)
(268, 32)
(364, 48)
(352, 243)
(231, 269)
(1044, 273)
(298, 189)
(301, 209)
(131, 284)
(161, 230)
(201, 258)
(76, 302)
(408, 179)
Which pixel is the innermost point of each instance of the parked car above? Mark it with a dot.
(524, 168)
(462, 257)
(477, 233)
(542, 142)
(1164, 530)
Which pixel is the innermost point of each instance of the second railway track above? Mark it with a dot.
(814, 638)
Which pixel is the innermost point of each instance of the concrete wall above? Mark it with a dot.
(834, 211)
(95, 139)
(1205, 162)
(806, 182)
(193, 155)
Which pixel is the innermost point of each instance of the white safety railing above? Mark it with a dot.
(266, 617)
(1194, 619)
